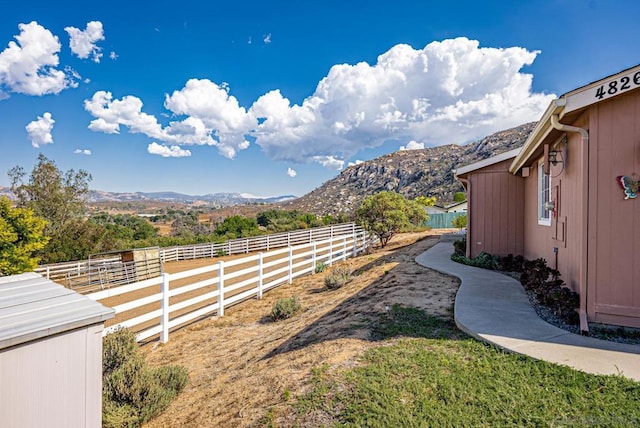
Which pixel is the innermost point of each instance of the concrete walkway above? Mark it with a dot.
(494, 308)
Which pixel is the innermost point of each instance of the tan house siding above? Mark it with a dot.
(614, 232)
(495, 211)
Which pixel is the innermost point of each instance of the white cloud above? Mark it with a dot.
(110, 114)
(267, 39)
(412, 145)
(39, 130)
(452, 91)
(448, 92)
(291, 172)
(86, 152)
(29, 66)
(83, 43)
(329, 162)
(212, 117)
(166, 151)
(357, 162)
(113, 55)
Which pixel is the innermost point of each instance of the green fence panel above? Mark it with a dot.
(442, 220)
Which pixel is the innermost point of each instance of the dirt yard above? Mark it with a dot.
(242, 365)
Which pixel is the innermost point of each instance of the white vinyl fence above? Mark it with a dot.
(155, 306)
(108, 271)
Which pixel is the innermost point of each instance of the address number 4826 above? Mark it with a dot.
(619, 85)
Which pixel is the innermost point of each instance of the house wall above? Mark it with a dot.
(614, 223)
(495, 221)
(565, 235)
(53, 382)
(595, 230)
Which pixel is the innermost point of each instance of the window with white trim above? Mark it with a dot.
(544, 196)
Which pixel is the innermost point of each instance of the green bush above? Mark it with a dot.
(460, 222)
(460, 247)
(320, 267)
(338, 277)
(132, 392)
(285, 308)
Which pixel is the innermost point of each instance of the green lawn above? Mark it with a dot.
(430, 374)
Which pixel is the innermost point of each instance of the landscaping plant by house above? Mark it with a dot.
(541, 281)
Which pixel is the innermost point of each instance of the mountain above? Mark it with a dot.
(412, 173)
(220, 199)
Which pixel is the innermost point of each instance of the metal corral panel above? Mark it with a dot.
(32, 307)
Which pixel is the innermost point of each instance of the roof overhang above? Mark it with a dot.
(569, 107)
(464, 170)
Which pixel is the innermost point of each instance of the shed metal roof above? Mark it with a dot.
(32, 307)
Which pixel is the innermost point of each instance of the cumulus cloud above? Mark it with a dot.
(267, 39)
(452, 91)
(357, 162)
(412, 145)
(291, 172)
(85, 152)
(39, 130)
(29, 66)
(83, 42)
(113, 55)
(211, 117)
(166, 151)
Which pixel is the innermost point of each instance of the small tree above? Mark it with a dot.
(460, 221)
(21, 237)
(387, 213)
(459, 197)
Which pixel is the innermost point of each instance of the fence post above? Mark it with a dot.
(288, 239)
(290, 265)
(228, 248)
(164, 321)
(344, 248)
(313, 258)
(331, 231)
(331, 251)
(47, 272)
(246, 251)
(220, 288)
(267, 242)
(260, 279)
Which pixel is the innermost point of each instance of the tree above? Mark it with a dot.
(21, 237)
(426, 200)
(58, 197)
(460, 221)
(237, 226)
(459, 197)
(387, 213)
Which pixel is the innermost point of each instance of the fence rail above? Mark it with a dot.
(80, 274)
(155, 306)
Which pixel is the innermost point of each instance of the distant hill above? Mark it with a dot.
(219, 199)
(413, 173)
(216, 199)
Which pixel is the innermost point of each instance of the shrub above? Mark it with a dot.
(460, 247)
(132, 392)
(320, 267)
(337, 278)
(460, 222)
(285, 308)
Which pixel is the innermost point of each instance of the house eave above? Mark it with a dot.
(464, 170)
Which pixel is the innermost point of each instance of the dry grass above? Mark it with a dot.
(242, 366)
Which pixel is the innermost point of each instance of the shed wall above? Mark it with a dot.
(53, 382)
(495, 221)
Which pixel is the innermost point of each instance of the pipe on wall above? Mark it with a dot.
(582, 310)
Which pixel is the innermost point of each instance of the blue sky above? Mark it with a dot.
(274, 98)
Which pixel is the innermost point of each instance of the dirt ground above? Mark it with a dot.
(242, 365)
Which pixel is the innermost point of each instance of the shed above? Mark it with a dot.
(50, 354)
